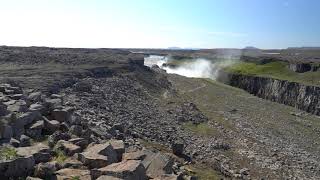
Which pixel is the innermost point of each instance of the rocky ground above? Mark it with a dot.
(98, 118)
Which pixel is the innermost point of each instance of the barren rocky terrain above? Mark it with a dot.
(102, 114)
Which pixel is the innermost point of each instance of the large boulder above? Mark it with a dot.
(127, 170)
(20, 167)
(23, 120)
(156, 163)
(67, 173)
(98, 155)
(40, 152)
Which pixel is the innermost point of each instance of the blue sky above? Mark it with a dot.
(160, 23)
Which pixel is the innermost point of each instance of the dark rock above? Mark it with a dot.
(56, 136)
(25, 141)
(14, 142)
(177, 148)
(76, 130)
(20, 167)
(46, 170)
(40, 152)
(61, 115)
(35, 130)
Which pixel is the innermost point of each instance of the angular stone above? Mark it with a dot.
(52, 104)
(157, 164)
(3, 109)
(18, 106)
(68, 147)
(46, 170)
(56, 136)
(76, 130)
(72, 163)
(6, 131)
(23, 120)
(37, 107)
(14, 142)
(98, 155)
(25, 141)
(51, 126)
(17, 96)
(132, 169)
(137, 155)
(67, 173)
(118, 146)
(35, 130)
(40, 152)
(83, 143)
(20, 167)
(177, 148)
(34, 97)
(61, 115)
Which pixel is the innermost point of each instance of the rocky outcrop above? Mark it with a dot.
(300, 68)
(294, 94)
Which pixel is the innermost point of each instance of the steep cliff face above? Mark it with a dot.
(301, 96)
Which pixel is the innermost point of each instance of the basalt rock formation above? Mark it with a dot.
(294, 94)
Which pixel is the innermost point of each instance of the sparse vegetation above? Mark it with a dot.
(60, 157)
(75, 178)
(203, 173)
(201, 129)
(278, 70)
(8, 153)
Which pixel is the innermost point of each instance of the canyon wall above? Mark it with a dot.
(303, 97)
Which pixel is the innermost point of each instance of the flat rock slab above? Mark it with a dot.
(128, 170)
(67, 173)
(40, 152)
(104, 177)
(68, 147)
(98, 155)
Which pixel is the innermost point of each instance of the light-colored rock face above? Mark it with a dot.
(67, 173)
(157, 164)
(19, 167)
(68, 147)
(137, 155)
(104, 177)
(40, 152)
(132, 169)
